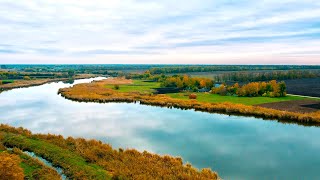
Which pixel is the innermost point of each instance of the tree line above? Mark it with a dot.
(13, 75)
(267, 76)
(175, 81)
(253, 89)
(211, 68)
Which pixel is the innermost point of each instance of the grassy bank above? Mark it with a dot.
(91, 159)
(14, 164)
(215, 98)
(97, 92)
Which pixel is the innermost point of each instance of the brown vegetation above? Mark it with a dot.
(192, 96)
(115, 81)
(96, 92)
(9, 167)
(121, 164)
(37, 82)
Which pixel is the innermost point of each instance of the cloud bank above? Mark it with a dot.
(166, 31)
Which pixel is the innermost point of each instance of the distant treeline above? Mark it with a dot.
(153, 68)
(80, 68)
(9, 75)
(266, 76)
(211, 68)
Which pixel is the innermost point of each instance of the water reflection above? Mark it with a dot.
(236, 147)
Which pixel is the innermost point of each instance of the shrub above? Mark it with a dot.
(7, 81)
(26, 78)
(192, 96)
(116, 87)
(10, 167)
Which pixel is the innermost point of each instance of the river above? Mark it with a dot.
(236, 147)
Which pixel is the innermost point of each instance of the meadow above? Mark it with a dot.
(140, 86)
(215, 98)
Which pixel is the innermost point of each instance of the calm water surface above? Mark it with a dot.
(235, 147)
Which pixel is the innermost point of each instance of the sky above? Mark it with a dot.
(160, 32)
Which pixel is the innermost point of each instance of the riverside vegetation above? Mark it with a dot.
(26, 82)
(85, 159)
(101, 91)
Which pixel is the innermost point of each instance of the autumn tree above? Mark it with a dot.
(266, 89)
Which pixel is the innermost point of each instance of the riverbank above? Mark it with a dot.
(98, 92)
(38, 82)
(90, 159)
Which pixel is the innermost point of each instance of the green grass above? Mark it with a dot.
(28, 169)
(69, 161)
(137, 86)
(215, 98)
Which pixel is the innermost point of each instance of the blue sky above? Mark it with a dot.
(163, 31)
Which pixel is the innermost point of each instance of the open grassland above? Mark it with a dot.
(97, 92)
(216, 98)
(132, 85)
(91, 159)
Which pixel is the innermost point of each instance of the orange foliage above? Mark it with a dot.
(9, 167)
(253, 89)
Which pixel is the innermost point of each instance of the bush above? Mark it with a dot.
(116, 87)
(192, 96)
(26, 78)
(7, 81)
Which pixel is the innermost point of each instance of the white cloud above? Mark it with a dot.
(169, 31)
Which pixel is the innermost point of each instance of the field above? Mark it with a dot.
(302, 106)
(215, 98)
(134, 86)
(141, 86)
(305, 87)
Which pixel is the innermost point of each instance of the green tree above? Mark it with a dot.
(282, 89)
(71, 73)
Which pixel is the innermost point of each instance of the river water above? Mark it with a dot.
(236, 147)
